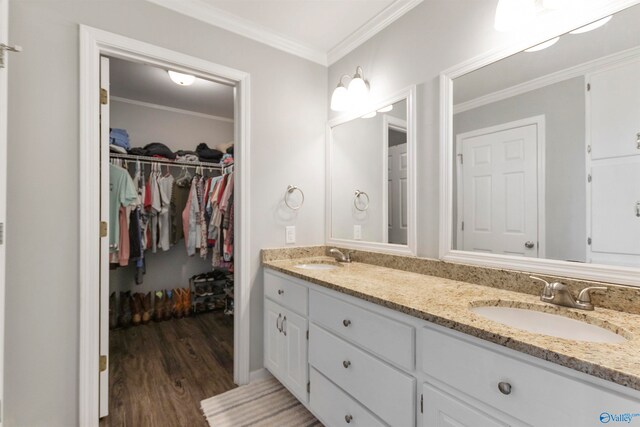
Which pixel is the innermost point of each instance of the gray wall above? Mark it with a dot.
(563, 105)
(42, 304)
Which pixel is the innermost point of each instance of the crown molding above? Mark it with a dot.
(212, 15)
(378, 23)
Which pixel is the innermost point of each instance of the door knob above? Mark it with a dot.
(348, 418)
(346, 364)
(505, 388)
(529, 245)
(347, 322)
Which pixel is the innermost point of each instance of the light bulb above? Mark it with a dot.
(592, 26)
(181, 79)
(386, 109)
(544, 45)
(369, 115)
(340, 99)
(512, 14)
(358, 92)
(554, 4)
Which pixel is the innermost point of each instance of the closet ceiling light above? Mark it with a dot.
(386, 109)
(512, 14)
(181, 79)
(592, 26)
(369, 115)
(544, 45)
(354, 97)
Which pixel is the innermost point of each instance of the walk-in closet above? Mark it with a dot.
(170, 258)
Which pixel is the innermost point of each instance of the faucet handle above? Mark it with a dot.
(584, 296)
(547, 286)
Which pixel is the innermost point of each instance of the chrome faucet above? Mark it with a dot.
(340, 257)
(559, 294)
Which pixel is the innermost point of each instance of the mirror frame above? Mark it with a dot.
(597, 272)
(410, 248)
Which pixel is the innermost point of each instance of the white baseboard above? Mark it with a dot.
(259, 374)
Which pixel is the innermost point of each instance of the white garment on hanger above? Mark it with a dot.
(165, 187)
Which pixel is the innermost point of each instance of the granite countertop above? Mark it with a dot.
(446, 302)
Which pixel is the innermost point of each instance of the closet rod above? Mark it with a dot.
(146, 159)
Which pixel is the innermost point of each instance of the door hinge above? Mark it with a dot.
(104, 96)
(307, 334)
(103, 228)
(462, 226)
(589, 149)
(1, 233)
(103, 363)
(589, 178)
(309, 387)
(422, 403)
(588, 87)
(589, 241)
(6, 48)
(461, 158)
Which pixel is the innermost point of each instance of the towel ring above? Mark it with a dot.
(355, 200)
(291, 189)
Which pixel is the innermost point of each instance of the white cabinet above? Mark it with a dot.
(273, 338)
(444, 410)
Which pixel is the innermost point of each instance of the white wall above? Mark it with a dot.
(287, 147)
(178, 131)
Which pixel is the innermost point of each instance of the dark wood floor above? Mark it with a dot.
(160, 372)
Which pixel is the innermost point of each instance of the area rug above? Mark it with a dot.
(261, 403)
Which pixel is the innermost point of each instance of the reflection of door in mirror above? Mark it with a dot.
(498, 188)
(395, 134)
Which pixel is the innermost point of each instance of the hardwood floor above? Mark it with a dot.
(160, 372)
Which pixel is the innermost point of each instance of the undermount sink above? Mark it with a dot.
(318, 266)
(543, 323)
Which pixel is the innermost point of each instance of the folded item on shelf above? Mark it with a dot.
(187, 158)
(154, 149)
(230, 150)
(119, 137)
(117, 149)
(227, 159)
(207, 154)
(224, 147)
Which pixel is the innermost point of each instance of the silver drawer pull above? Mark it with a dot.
(348, 418)
(284, 331)
(505, 388)
(278, 322)
(280, 292)
(346, 323)
(346, 364)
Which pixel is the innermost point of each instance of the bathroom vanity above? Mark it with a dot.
(362, 344)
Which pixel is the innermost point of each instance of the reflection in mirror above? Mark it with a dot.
(369, 177)
(547, 150)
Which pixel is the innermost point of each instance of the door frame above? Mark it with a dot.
(388, 122)
(93, 44)
(539, 122)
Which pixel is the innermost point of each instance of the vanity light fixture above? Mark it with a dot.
(386, 109)
(369, 115)
(590, 27)
(543, 45)
(512, 14)
(355, 96)
(181, 79)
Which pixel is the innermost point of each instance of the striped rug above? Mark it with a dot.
(262, 403)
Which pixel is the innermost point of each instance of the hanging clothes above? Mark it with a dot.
(165, 186)
(121, 193)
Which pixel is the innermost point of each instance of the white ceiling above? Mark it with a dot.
(149, 84)
(322, 31)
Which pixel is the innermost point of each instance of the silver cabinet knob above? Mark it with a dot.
(280, 292)
(348, 418)
(504, 387)
(346, 323)
(529, 245)
(346, 364)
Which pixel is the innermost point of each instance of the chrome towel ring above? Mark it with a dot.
(355, 201)
(290, 190)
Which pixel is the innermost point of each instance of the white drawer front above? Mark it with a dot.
(386, 391)
(334, 407)
(393, 340)
(537, 396)
(286, 292)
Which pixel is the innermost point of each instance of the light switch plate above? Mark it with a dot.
(290, 234)
(357, 232)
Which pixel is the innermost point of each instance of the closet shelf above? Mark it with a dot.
(157, 160)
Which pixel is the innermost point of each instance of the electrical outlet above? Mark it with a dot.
(357, 232)
(290, 234)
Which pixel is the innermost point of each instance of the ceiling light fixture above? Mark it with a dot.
(512, 14)
(386, 109)
(369, 115)
(181, 79)
(592, 26)
(355, 96)
(543, 45)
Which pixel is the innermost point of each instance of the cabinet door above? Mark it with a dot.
(274, 357)
(296, 374)
(444, 410)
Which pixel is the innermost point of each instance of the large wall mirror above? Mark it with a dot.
(543, 156)
(370, 169)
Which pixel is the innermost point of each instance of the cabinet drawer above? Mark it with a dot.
(537, 395)
(286, 292)
(392, 340)
(334, 407)
(386, 391)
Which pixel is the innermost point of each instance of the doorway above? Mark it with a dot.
(95, 157)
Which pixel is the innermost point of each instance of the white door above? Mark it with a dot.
(614, 112)
(294, 329)
(499, 191)
(444, 410)
(104, 241)
(398, 194)
(274, 358)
